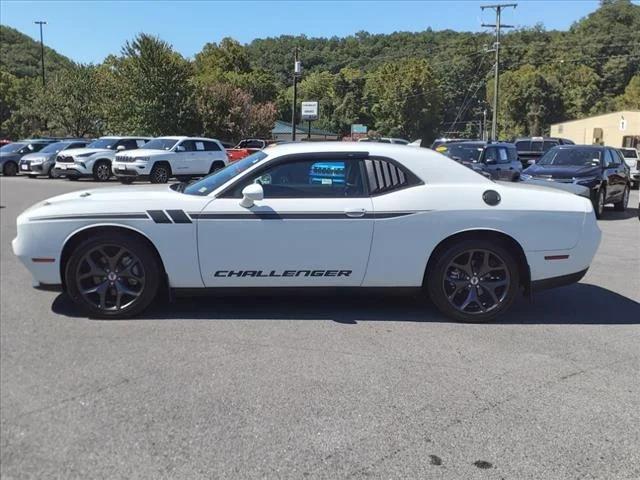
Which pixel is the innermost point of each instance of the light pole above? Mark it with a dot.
(297, 70)
(40, 22)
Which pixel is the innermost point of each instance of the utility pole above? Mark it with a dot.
(498, 9)
(297, 70)
(484, 125)
(40, 22)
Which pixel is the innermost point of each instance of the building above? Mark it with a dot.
(282, 131)
(618, 129)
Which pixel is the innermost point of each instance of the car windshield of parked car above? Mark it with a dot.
(465, 152)
(107, 143)
(12, 147)
(629, 153)
(571, 157)
(54, 147)
(211, 182)
(160, 144)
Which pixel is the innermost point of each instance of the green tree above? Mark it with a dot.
(18, 116)
(631, 97)
(404, 99)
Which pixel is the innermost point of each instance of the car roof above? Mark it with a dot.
(118, 137)
(429, 165)
(175, 137)
(592, 147)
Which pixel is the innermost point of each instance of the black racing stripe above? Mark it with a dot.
(292, 216)
(94, 216)
(178, 216)
(158, 216)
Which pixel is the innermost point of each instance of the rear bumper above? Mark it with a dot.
(560, 281)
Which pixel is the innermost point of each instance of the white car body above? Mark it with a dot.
(189, 156)
(81, 162)
(384, 239)
(632, 159)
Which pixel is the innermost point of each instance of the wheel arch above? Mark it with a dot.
(78, 236)
(165, 163)
(474, 234)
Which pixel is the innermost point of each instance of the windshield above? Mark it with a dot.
(12, 147)
(629, 153)
(209, 183)
(160, 144)
(465, 152)
(54, 147)
(107, 143)
(582, 157)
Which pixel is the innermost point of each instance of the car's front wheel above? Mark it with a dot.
(10, 169)
(474, 280)
(102, 171)
(112, 276)
(621, 206)
(160, 174)
(598, 204)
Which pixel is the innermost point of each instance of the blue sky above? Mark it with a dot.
(87, 31)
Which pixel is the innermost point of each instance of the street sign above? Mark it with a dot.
(309, 111)
(358, 128)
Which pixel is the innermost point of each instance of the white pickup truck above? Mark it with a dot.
(166, 157)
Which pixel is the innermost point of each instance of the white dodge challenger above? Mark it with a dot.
(311, 216)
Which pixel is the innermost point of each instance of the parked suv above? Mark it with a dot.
(94, 160)
(632, 158)
(11, 153)
(497, 160)
(531, 149)
(42, 162)
(165, 157)
(601, 169)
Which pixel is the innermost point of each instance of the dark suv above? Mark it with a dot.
(601, 169)
(531, 149)
(498, 160)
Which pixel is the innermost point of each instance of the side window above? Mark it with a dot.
(491, 155)
(188, 145)
(608, 158)
(384, 176)
(199, 146)
(308, 179)
(140, 142)
(523, 145)
(211, 147)
(128, 144)
(503, 157)
(548, 145)
(512, 153)
(77, 145)
(615, 157)
(37, 146)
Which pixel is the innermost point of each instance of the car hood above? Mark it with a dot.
(143, 152)
(562, 171)
(37, 156)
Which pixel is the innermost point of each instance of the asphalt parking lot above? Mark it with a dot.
(322, 387)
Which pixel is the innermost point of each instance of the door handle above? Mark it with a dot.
(355, 213)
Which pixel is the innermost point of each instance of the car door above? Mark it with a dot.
(183, 154)
(312, 229)
(615, 174)
(489, 160)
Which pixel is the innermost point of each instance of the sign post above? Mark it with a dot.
(358, 131)
(309, 113)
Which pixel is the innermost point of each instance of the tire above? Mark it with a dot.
(10, 169)
(102, 171)
(126, 180)
(621, 206)
(598, 203)
(51, 173)
(480, 295)
(160, 173)
(215, 166)
(127, 276)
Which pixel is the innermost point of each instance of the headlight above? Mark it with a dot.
(85, 154)
(37, 161)
(141, 159)
(585, 180)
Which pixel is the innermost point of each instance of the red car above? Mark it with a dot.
(245, 148)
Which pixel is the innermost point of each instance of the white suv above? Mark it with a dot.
(94, 160)
(632, 159)
(165, 157)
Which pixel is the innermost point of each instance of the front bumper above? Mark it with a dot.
(131, 169)
(73, 170)
(29, 168)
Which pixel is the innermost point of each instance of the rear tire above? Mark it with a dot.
(10, 169)
(112, 276)
(102, 171)
(160, 173)
(621, 206)
(474, 280)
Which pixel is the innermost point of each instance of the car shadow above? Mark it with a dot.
(611, 214)
(580, 304)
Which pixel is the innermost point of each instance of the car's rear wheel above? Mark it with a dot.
(215, 166)
(102, 171)
(598, 205)
(160, 174)
(113, 276)
(474, 280)
(10, 169)
(621, 206)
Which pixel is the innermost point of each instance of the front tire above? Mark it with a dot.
(10, 169)
(621, 206)
(102, 171)
(474, 281)
(160, 174)
(215, 166)
(112, 276)
(598, 205)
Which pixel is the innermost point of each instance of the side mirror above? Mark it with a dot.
(489, 161)
(250, 194)
(180, 148)
(120, 147)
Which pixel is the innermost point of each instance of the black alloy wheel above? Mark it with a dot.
(10, 169)
(159, 174)
(112, 277)
(474, 281)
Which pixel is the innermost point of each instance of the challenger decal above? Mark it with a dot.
(284, 273)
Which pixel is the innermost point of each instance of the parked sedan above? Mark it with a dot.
(42, 162)
(11, 153)
(601, 169)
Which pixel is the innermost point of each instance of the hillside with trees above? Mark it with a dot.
(413, 85)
